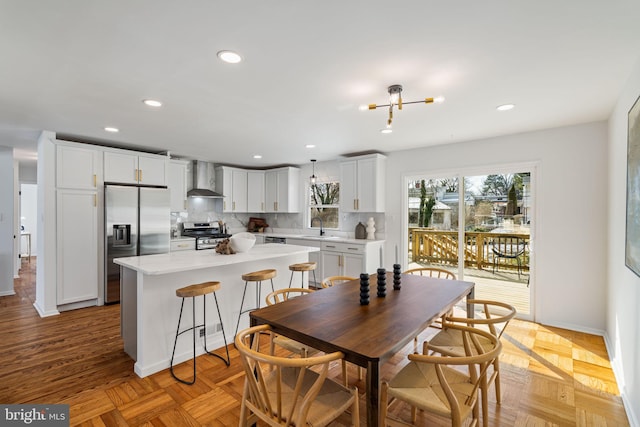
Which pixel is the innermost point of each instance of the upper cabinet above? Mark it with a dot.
(255, 191)
(362, 184)
(281, 190)
(78, 167)
(135, 168)
(177, 184)
(232, 183)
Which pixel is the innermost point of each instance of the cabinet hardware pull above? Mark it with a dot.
(233, 206)
(95, 180)
(140, 172)
(224, 205)
(354, 205)
(135, 175)
(358, 204)
(95, 200)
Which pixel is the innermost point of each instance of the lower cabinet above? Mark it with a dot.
(343, 259)
(182, 245)
(77, 246)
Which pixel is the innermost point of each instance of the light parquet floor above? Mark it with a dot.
(550, 376)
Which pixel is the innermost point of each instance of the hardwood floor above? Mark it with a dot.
(550, 376)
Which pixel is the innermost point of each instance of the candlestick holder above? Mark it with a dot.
(396, 276)
(364, 289)
(382, 282)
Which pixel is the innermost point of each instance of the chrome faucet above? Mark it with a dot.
(321, 224)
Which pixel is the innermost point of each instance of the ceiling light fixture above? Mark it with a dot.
(111, 129)
(257, 156)
(229, 56)
(505, 107)
(309, 146)
(313, 177)
(395, 98)
(152, 103)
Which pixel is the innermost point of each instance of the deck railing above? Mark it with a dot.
(441, 247)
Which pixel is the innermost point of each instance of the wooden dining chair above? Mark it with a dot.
(296, 392)
(334, 280)
(439, 273)
(293, 346)
(327, 283)
(493, 317)
(437, 384)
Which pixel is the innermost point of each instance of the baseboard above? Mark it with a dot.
(44, 313)
(573, 327)
(617, 372)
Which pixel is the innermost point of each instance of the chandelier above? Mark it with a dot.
(395, 98)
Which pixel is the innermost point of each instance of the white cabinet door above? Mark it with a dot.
(77, 246)
(331, 264)
(77, 167)
(255, 191)
(348, 186)
(120, 167)
(152, 170)
(239, 189)
(367, 189)
(353, 265)
(271, 191)
(177, 184)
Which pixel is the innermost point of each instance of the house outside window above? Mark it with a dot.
(324, 200)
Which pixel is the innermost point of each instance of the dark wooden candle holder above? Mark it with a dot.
(364, 289)
(396, 276)
(382, 282)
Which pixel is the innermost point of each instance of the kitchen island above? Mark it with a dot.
(149, 306)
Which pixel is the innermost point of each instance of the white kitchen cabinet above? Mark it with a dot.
(184, 244)
(135, 168)
(255, 191)
(77, 246)
(350, 259)
(342, 259)
(78, 167)
(281, 190)
(313, 257)
(232, 183)
(177, 184)
(362, 184)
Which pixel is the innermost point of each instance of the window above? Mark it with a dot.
(324, 199)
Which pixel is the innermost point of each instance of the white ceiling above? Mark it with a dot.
(76, 66)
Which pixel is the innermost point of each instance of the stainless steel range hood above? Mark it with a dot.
(203, 180)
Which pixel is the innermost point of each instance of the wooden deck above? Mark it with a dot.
(501, 286)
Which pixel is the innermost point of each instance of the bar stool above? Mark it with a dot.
(258, 277)
(192, 292)
(302, 267)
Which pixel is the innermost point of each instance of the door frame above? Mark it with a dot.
(533, 167)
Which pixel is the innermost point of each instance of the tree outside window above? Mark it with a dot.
(324, 200)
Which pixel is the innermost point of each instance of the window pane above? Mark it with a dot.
(329, 217)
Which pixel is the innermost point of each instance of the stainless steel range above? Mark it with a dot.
(207, 234)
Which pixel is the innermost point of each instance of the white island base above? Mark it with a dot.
(150, 308)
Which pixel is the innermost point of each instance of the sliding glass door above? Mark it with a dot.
(477, 226)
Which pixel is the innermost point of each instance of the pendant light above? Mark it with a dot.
(313, 177)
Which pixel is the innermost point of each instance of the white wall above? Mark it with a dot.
(568, 282)
(6, 221)
(623, 309)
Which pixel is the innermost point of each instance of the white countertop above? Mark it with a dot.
(174, 262)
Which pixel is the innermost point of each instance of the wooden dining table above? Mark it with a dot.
(333, 319)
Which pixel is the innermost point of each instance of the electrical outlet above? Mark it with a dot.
(202, 332)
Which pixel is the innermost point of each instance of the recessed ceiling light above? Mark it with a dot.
(229, 56)
(111, 129)
(505, 107)
(386, 130)
(309, 146)
(152, 103)
(257, 156)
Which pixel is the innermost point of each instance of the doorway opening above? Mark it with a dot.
(478, 226)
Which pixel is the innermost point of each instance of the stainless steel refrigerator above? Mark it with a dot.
(137, 222)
